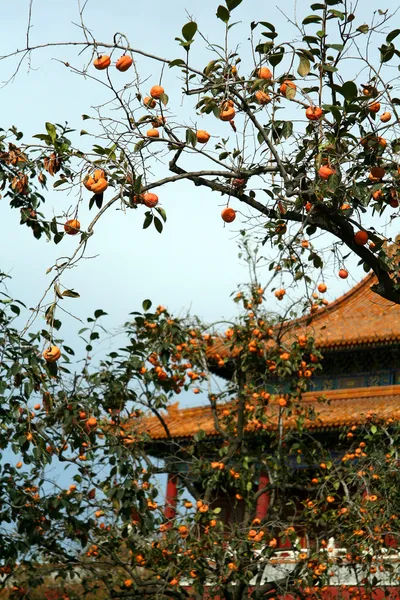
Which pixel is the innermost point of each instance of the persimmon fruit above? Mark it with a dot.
(325, 172)
(102, 62)
(52, 354)
(262, 98)
(156, 91)
(314, 113)
(124, 63)
(150, 200)
(264, 73)
(361, 238)
(228, 215)
(202, 136)
(72, 227)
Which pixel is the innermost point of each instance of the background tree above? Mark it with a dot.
(103, 524)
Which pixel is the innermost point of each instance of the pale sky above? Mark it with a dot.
(193, 264)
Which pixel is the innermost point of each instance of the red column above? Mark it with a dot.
(263, 500)
(171, 496)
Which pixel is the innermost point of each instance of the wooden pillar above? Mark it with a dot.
(264, 499)
(171, 496)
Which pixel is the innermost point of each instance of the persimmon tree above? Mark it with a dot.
(290, 134)
(301, 134)
(80, 487)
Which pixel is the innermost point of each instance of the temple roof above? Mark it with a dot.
(344, 408)
(358, 318)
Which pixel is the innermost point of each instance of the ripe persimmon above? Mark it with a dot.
(376, 173)
(325, 172)
(228, 215)
(150, 200)
(262, 98)
(153, 133)
(92, 422)
(149, 102)
(343, 274)
(227, 112)
(72, 227)
(361, 238)
(374, 107)
(99, 174)
(156, 91)
(159, 121)
(88, 181)
(202, 136)
(99, 186)
(285, 85)
(102, 62)
(385, 117)
(264, 73)
(52, 354)
(124, 62)
(322, 287)
(313, 113)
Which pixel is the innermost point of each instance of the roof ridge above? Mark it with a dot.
(323, 312)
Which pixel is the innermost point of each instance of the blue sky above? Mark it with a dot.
(193, 265)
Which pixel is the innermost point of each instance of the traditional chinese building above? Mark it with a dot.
(359, 336)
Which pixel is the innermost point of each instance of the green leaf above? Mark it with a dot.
(392, 35)
(267, 25)
(363, 28)
(99, 313)
(164, 99)
(137, 186)
(223, 13)
(162, 213)
(139, 145)
(304, 66)
(44, 137)
(178, 62)
(287, 129)
(276, 58)
(338, 47)
(59, 182)
(85, 117)
(231, 4)
(189, 30)
(329, 68)
(387, 52)
(349, 90)
(83, 132)
(337, 14)
(317, 6)
(217, 510)
(148, 220)
(53, 226)
(374, 429)
(158, 224)
(191, 137)
(51, 130)
(146, 304)
(312, 19)
(70, 294)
